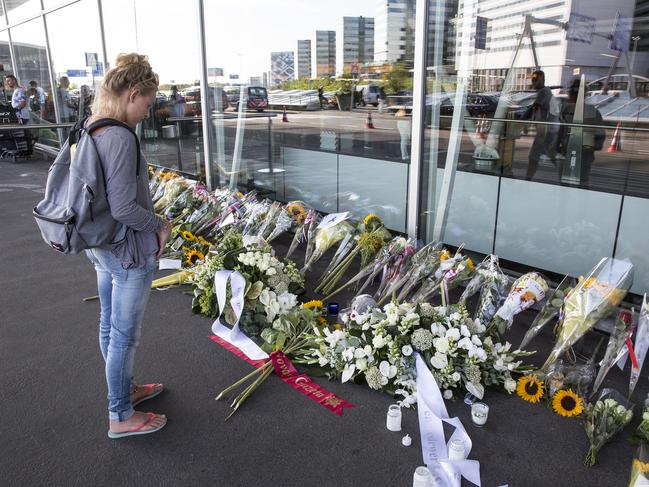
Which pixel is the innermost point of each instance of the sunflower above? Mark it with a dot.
(640, 466)
(322, 322)
(445, 255)
(192, 256)
(530, 388)
(204, 242)
(372, 218)
(567, 403)
(297, 212)
(470, 264)
(188, 236)
(313, 304)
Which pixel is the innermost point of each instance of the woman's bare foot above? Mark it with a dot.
(139, 420)
(139, 393)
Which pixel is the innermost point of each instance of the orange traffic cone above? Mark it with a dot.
(615, 142)
(368, 122)
(284, 116)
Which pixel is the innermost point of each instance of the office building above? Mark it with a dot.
(282, 66)
(304, 58)
(325, 48)
(394, 39)
(358, 43)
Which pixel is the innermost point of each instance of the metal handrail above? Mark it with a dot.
(36, 126)
(565, 124)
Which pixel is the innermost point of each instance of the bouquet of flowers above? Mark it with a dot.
(303, 217)
(491, 283)
(640, 467)
(377, 345)
(617, 340)
(593, 298)
(604, 419)
(270, 283)
(287, 335)
(331, 230)
(424, 263)
(641, 345)
(577, 377)
(641, 434)
(550, 310)
(527, 290)
(373, 236)
(282, 223)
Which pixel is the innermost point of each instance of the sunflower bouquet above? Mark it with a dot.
(526, 291)
(594, 298)
(550, 310)
(621, 332)
(302, 216)
(604, 419)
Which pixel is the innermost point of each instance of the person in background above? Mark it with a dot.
(85, 102)
(592, 138)
(67, 112)
(404, 126)
(176, 102)
(538, 112)
(36, 99)
(125, 269)
(20, 103)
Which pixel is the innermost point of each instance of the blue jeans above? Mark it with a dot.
(123, 295)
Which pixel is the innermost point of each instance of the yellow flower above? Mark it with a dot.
(567, 403)
(297, 212)
(640, 466)
(188, 236)
(530, 388)
(338, 326)
(192, 256)
(313, 304)
(203, 241)
(321, 321)
(372, 218)
(445, 255)
(469, 264)
(169, 175)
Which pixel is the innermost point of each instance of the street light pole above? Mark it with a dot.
(635, 40)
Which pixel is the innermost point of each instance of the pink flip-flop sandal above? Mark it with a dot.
(151, 392)
(139, 429)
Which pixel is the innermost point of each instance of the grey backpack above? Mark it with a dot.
(75, 214)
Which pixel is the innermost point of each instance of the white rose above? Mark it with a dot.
(271, 271)
(441, 345)
(406, 350)
(361, 364)
(448, 394)
(379, 341)
(510, 385)
(455, 376)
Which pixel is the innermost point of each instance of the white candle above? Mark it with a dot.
(479, 413)
(422, 478)
(393, 422)
(456, 449)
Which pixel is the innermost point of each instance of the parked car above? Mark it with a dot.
(255, 98)
(371, 94)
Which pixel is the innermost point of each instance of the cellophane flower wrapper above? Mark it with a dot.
(424, 263)
(617, 340)
(640, 467)
(431, 285)
(578, 377)
(550, 310)
(526, 291)
(594, 298)
(641, 434)
(282, 224)
(270, 220)
(255, 217)
(641, 344)
(492, 294)
(302, 227)
(325, 238)
(604, 419)
(394, 272)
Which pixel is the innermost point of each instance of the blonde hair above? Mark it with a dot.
(131, 71)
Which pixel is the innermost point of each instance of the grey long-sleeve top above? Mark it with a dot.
(128, 197)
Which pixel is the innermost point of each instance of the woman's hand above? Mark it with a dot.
(163, 236)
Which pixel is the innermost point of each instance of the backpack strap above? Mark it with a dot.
(103, 122)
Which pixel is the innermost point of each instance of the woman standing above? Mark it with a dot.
(125, 268)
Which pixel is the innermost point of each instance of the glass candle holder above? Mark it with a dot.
(479, 413)
(422, 478)
(393, 421)
(456, 449)
(332, 309)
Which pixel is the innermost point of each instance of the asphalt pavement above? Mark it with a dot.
(53, 397)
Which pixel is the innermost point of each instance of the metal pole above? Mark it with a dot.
(610, 73)
(103, 36)
(418, 113)
(53, 91)
(205, 106)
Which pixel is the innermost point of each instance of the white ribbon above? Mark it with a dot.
(234, 336)
(432, 413)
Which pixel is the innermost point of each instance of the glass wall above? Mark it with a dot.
(338, 137)
(536, 128)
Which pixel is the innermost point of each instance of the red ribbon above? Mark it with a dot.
(286, 371)
(634, 360)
